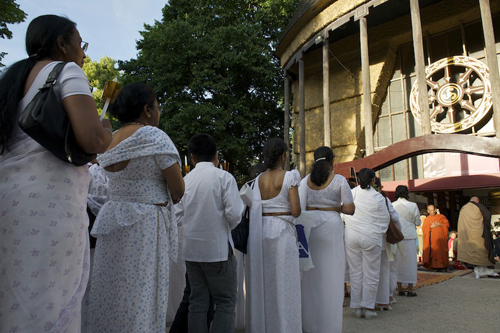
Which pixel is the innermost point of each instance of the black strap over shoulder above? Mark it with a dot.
(45, 120)
(52, 78)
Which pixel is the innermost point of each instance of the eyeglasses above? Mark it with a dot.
(84, 46)
(160, 108)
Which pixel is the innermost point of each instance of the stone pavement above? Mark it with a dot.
(460, 304)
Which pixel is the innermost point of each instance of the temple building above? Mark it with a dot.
(408, 88)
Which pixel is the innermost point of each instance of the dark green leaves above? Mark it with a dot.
(212, 64)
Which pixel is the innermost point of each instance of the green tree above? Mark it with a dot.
(213, 67)
(10, 13)
(98, 72)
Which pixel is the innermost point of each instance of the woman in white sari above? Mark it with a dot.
(326, 194)
(409, 217)
(44, 256)
(136, 231)
(272, 270)
(364, 234)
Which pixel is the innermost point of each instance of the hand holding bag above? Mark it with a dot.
(304, 226)
(45, 120)
(393, 234)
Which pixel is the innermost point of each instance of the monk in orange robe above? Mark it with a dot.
(435, 239)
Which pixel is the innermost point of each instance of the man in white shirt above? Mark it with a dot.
(210, 208)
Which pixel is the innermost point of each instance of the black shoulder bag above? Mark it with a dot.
(240, 233)
(45, 120)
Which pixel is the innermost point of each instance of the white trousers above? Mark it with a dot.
(384, 279)
(363, 255)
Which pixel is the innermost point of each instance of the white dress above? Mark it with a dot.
(135, 238)
(272, 270)
(44, 246)
(387, 262)
(409, 217)
(323, 285)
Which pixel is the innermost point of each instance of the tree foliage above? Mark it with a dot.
(10, 13)
(213, 67)
(98, 72)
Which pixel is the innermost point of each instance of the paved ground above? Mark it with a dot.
(461, 304)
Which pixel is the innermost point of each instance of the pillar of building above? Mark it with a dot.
(302, 119)
(326, 94)
(418, 47)
(367, 100)
(286, 130)
(491, 60)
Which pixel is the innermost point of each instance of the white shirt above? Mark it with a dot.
(371, 217)
(409, 217)
(210, 208)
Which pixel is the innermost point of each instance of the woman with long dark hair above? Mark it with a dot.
(45, 259)
(364, 234)
(272, 272)
(326, 194)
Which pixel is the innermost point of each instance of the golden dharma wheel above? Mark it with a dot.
(459, 94)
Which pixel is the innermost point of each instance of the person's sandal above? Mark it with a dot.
(383, 307)
(370, 314)
(402, 293)
(411, 294)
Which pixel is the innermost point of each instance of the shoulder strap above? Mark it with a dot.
(251, 183)
(52, 78)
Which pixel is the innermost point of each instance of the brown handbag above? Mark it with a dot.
(393, 234)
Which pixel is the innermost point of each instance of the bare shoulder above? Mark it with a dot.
(270, 183)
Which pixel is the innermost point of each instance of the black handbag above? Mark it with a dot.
(45, 120)
(240, 233)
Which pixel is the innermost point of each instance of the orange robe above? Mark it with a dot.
(435, 252)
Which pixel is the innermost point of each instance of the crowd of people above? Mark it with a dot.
(139, 198)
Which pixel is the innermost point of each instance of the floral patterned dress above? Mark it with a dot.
(135, 238)
(44, 246)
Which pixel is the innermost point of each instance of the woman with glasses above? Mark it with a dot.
(135, 230)
(44, 264)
